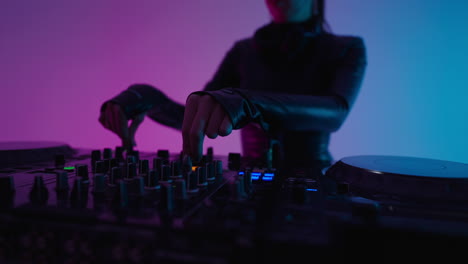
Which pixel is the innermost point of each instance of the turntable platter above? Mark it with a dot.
(402, 177)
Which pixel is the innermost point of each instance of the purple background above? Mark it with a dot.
(59, 60)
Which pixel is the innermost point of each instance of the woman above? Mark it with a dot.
(288, 87)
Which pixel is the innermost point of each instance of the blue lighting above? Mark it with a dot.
(241, 173)
(267, 178)
(311, 190)
(255, 175)
(269, 174)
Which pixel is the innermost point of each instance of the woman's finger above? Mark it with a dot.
(214, 123)
(191, 109)
(226, 126)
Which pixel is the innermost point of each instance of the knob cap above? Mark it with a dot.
(107, 153)
(95, 156)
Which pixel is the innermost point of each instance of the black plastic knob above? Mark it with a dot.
(210, 171)
(180, 189)
(131, 170)
(218, 164)
(136, 186)
(234, 161)
(99, 183)
(95, 156)
(59, 161)
(143, 167)
(163, 154)
(165, 173)
(167, 197)
(192, 182)
(82, 171)
(120, 198)
(201, 173)
(115, 175)
(61, 181)
(7, 191)
(100, 166)
(107, 153)
(176, 169)
(39, 193)
(186, 164)
(152, 180)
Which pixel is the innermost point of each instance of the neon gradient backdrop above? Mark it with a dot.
(61, 59)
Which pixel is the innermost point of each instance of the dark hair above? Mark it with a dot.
(319, 16)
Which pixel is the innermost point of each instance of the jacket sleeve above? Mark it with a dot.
(300, 112)
(139, 98)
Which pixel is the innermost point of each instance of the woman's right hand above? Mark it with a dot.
(113, 118)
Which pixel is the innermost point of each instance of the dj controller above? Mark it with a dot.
(60, 204)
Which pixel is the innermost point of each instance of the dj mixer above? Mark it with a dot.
(60, 204)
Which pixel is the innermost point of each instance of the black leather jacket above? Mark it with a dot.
(276, 87)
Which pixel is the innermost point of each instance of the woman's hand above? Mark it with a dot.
(113, 118)
(203, 116)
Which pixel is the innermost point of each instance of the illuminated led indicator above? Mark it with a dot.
(269, 175)
(267, 178)
(311, 190)
(255, 175)
(69, 168)
(241, 173)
